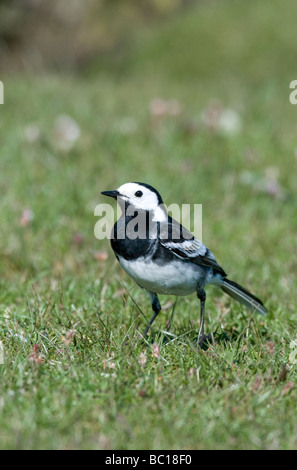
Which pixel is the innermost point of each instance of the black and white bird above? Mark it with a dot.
(163, 257)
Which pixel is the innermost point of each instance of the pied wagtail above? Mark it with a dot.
(162, 256)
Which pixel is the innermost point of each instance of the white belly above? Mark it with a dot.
(175, 278)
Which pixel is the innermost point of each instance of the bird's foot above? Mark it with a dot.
(203, 341)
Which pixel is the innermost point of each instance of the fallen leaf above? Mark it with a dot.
(78, 238)
(287, 388)
(156, 351)
(257, 383)
(142, 358)
(270, 346)
(100, 255)
(26, 217)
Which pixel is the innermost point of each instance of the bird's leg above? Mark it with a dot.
(202, 297)
(156, 308)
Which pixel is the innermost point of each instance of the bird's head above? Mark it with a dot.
(141, 196)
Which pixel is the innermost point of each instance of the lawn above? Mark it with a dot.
(198, 107)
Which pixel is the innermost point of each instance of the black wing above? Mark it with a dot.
(177, 239)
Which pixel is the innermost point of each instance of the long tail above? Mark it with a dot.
(243, 296)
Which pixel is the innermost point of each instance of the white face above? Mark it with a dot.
(139, 196)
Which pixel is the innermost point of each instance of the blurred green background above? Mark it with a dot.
(191, 97)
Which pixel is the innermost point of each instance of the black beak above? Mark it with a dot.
(113, 193)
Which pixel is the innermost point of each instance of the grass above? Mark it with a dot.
(90, 383)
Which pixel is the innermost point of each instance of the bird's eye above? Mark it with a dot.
(138, 193)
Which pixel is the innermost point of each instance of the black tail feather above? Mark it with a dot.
(243, 296)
